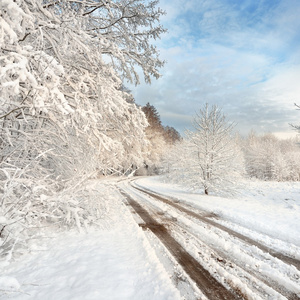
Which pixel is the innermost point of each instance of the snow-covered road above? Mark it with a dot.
(114, 261)
(248, 244)
(242, 263)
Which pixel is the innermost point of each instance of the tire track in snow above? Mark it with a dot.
(257, 281)
(288, 260)
(205, 219)
(210, 287)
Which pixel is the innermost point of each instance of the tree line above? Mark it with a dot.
(214, 158)
(65, 115)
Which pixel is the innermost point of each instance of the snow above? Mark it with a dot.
(8, 283)
(260, 212)
(118, 261)
(115, 262)
(97, 266)
(267, 209)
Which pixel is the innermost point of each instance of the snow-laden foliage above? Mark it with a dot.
(40, 206)
(160, 138)
(269, 158)
(209, 157)
(64, 116)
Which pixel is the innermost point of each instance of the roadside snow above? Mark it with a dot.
(268, 208)
(115, 262)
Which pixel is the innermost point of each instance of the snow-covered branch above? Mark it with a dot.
(63, 114)
(209, 157)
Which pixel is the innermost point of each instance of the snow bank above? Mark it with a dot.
(115, 262)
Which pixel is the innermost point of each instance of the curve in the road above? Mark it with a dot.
(281, 256)
(210, 287)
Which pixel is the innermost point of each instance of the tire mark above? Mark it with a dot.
(210, 287)
(287, 259)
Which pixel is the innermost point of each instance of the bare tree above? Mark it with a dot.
(296, 127)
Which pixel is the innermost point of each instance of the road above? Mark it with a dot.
(207, 260)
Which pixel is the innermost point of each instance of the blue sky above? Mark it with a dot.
(243, 55)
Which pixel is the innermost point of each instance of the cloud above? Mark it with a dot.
(242, 56)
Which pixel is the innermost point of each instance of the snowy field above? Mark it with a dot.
(117, 261)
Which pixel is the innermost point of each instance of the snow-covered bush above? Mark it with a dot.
(28, 208)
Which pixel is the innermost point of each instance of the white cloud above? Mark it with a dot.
(215, 56)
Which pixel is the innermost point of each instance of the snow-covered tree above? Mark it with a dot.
(63, 113)
(215, 152)
(268, 158)
(176, 162)
(156, 142)
(54, 59)
(171, 135)
(160, 138)
(209, 157)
